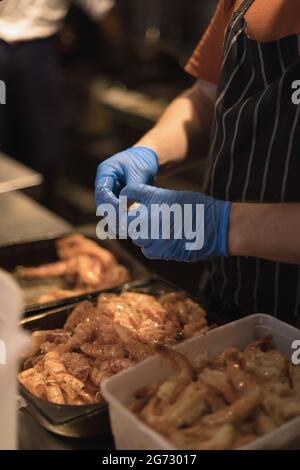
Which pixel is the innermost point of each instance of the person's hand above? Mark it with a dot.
(198, 228)
(134, 165)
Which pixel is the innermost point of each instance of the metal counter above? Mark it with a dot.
(23, 219)
(15, 175)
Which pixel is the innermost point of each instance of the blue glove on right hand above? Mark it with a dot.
(134, 165)
(178, 225)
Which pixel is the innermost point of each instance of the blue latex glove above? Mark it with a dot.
(215, 223)
(134, 165)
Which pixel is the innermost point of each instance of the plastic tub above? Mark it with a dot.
(12, 341)
(132, 434)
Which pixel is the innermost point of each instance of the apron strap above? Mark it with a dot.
(239, 13)
(244, 7)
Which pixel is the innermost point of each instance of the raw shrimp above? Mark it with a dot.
(76, 244)
(83, 264)
(169, 391)
(77, 365)
(39, 337)
(100, 340)
(209, 438)
(34, 382)
(195, 328)
(90, 272)
(116, 274)
(263, 423)
(70, 385)
(60, 268)
(241, 380)
(239, 411)
(184, 308)
(190, 405)
(219, 381)
(103, 351)
(269, 365)
(84, 311)
(55, 394)
(281, 409)
(294, 373)
(145, 324)
(108, 368)
(97, 375)
(243, 440)
(221, 439)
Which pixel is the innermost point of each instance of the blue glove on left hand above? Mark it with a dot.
(197, 230)
(134, 165)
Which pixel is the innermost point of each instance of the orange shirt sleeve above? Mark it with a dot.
(206, 61)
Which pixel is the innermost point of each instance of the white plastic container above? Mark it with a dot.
(132, 434)
(12, 342)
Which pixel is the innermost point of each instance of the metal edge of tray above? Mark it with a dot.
(89, 425)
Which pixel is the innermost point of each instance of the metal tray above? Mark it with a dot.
(43, 251)
(86, 420)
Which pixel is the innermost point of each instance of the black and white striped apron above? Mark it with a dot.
(255, 156)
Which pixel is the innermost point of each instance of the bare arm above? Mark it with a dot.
(184, 125)
(268, 231)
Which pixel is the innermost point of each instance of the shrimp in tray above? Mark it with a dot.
(68, 365)
(82, 266)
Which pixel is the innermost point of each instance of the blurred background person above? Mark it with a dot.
(30, 124)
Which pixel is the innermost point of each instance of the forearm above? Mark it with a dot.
(268, 231)
(184, 125)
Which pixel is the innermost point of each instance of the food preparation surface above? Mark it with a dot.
(14, 175)
(33, 437)
(24, 219)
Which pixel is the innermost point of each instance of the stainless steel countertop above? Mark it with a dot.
(23, 219)
(33, 437)
(14, 175)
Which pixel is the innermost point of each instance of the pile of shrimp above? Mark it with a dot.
(223, 404)
(68, 365)
(83, 264)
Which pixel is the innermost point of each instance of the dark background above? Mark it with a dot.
(146, 54)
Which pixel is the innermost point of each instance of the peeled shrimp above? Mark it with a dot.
(240, 410)
(55, 394)
(76, 244)
(103, 351)
(294, 373)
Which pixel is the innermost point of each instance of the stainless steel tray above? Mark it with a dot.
(86, 420)
(43, 251)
